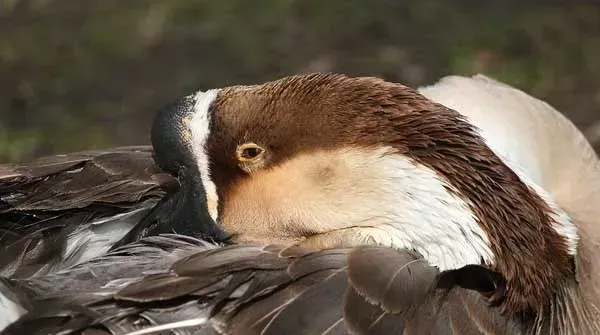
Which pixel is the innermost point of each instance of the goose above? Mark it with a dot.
(317, 203)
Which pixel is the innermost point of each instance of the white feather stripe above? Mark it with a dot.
(200, 130)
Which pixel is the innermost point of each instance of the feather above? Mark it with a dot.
(175, 284)
(11, 303)
(362, 317)
(61, 210)
(398, 281)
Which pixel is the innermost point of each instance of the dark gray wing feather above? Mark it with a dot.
(61, 210)
(180, 285)
(396, 291)
(397, 281)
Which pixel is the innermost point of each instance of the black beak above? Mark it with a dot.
(190, 214)
(184, 212)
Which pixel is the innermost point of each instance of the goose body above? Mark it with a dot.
(330, 282)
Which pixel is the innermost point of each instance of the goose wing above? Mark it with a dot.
(60, 210)
(179, 285)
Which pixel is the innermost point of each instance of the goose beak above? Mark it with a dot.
(184, 212)
(178, 134)
(192, 213)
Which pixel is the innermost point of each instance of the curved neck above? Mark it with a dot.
(531, 136)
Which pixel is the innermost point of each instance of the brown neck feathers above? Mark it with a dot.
(529, 252)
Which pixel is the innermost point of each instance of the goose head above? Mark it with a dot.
(327, 160)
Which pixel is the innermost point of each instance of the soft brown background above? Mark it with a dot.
(80, 74)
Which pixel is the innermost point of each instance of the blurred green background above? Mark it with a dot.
(81, 74)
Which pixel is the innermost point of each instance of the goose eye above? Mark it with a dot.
(249, 152)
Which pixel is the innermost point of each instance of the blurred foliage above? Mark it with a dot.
(79, 74)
